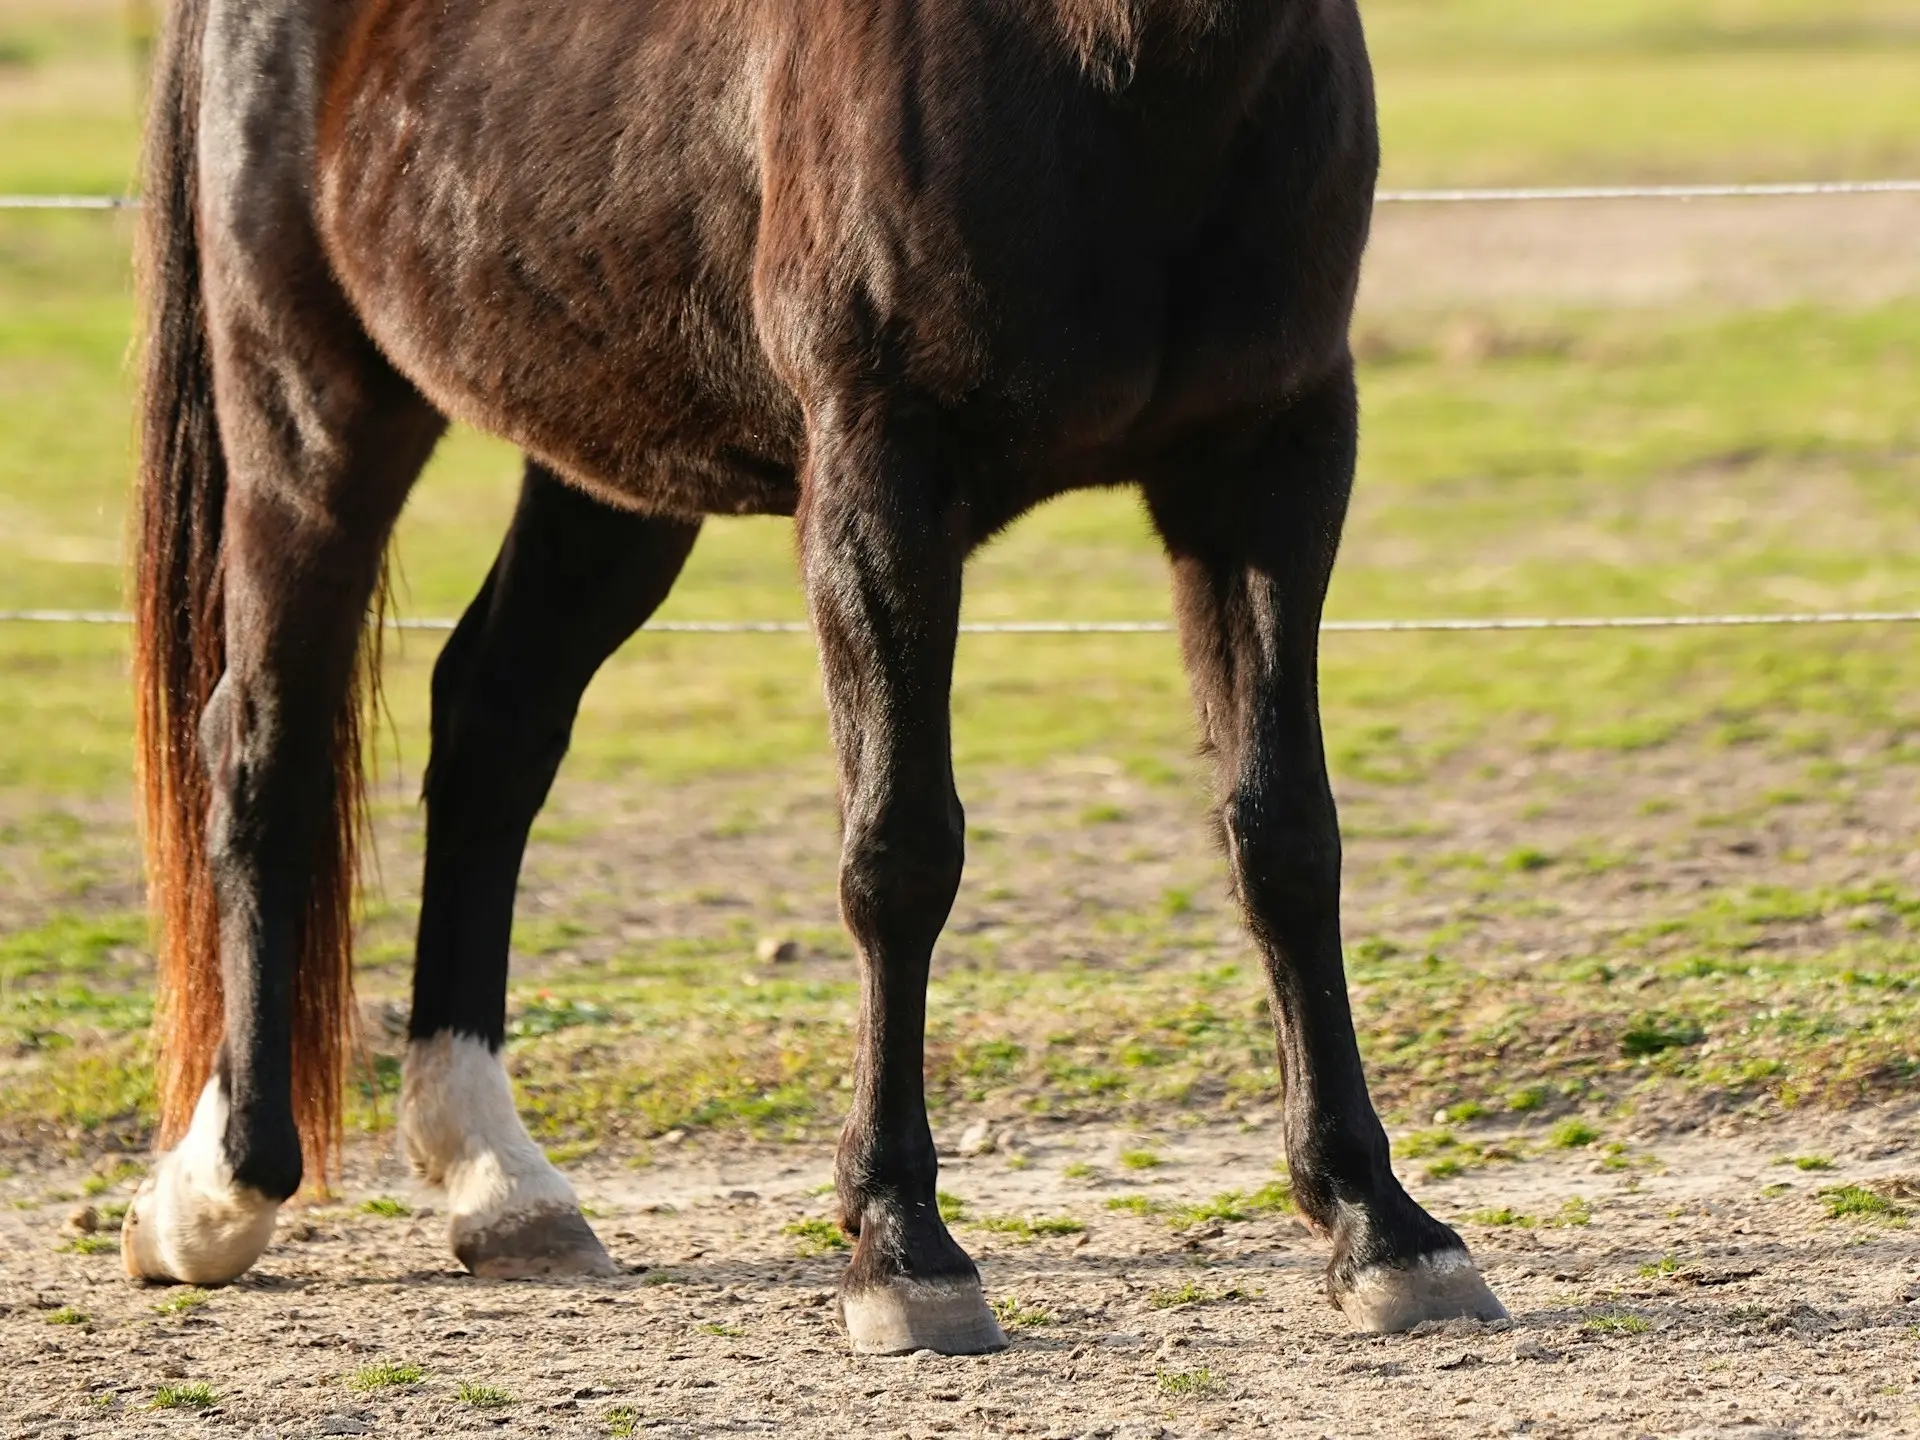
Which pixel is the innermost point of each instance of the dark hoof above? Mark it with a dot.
(897, 1317)
(530, 1243)
(1444, 1286)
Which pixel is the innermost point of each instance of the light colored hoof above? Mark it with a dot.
(1447, 1286)
(527, 1244)
(190, 1222)
(950, 1317)
(515, 1217)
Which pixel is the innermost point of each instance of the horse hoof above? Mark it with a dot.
(530, 1243)
(190, 1222)
(1387, 1299)
(950, 1317)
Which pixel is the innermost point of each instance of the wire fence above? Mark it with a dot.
(1484, 196)
(1463, 624)
(1468, 624)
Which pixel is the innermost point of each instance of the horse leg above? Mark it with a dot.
(882, 545)
(572, 581)
(321, 443)
(1252, 533)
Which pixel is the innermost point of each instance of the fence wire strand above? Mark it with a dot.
(1460, 625)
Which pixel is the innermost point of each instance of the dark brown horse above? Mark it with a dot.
(899, 268)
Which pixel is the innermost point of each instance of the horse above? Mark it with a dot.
(898, 269)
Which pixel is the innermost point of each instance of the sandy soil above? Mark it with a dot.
(1845, 250)
(1708, 1295)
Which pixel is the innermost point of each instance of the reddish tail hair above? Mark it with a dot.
(180, 654)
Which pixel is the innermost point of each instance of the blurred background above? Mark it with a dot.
(1587, 871)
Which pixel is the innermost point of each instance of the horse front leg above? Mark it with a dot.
(882, 545)
(573, 580)
(1252, 532)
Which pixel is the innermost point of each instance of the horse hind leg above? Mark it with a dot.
(573, 580)
(278, 447)
(1252, 533)
(322, 442)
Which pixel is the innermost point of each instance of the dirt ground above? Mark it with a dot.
(1831, 250)
(1706, 1294)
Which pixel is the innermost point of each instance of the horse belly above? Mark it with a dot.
(559, 251)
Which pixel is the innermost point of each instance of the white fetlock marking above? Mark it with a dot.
(190, 1221)
(463, 1135)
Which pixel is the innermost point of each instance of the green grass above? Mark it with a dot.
(1503, 1216)
(1188, 1384)
(1013, 1314)
(67, 1315)
(386, 1207)
(195, 1396)
(181, 1302)
(816, 1237)
(387, 1375)
(1141, 1159)
(1572, 1135)
(1642, 461)
(621, 1421)
(1856, 1202)
(90, 1245)
(482, 1397)
(1616, 1323)
(1028, 1228)
(1189, 1293)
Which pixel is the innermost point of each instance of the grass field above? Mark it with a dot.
(1553, 913)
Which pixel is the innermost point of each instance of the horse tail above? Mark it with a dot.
(179, 656)
(179, 646)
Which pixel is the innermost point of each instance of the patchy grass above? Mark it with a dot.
(1141, 1159)
(620, 1421)
(1618, 1322)
(720, 1328)
(1572, 1135)
(1014, 1314)
(1856, 1202)
(1806, 1162)
(1188, 1384)
(90, 1245)
(386, 1207)
(67, 1315)
(387, 1375)
(1505, 1215)
(1028, 1228)
(1189, 1293)
(816, 1236)
(181, 1302)
(196, 1395)
(482, 1397)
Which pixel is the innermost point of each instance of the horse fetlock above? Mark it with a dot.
(191, 1222)
(510, 1213)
